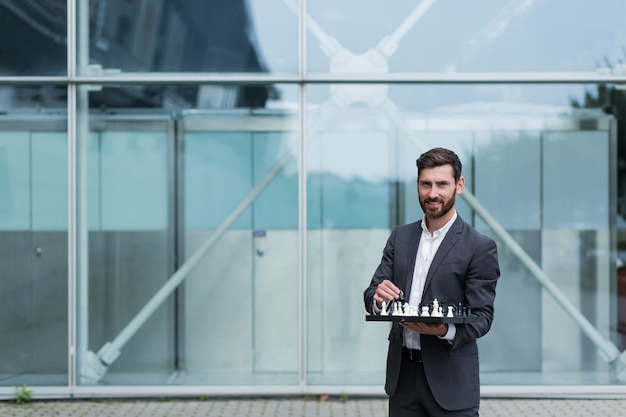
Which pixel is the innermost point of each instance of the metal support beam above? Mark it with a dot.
(97, 364)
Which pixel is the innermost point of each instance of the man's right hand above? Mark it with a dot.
(386, 291)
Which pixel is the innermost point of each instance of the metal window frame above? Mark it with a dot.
(78, 81)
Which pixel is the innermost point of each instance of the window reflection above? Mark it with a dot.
(438, 36)
(33, 254)
(207, 177)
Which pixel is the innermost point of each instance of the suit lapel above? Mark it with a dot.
(451, 238)
(414, 241)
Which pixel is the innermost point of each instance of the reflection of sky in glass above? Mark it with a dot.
(481, 35)
(276, 30)
(449, 36)
(351, 155)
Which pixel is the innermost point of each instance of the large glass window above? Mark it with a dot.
(42, 26)
(241, 216)
(185, 231)
(224, 36)
(193, 232)
(449, 36)
(131, 253)
(34, 241)
(525, 187)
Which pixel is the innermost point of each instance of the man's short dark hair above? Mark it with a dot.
(437, 157)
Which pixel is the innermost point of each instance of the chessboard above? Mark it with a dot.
(427, 320)
(432, 313)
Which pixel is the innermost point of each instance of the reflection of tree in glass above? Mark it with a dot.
(600, 100)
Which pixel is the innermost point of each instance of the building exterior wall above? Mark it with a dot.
(199, 211)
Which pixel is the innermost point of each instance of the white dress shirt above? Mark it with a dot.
(428, 246)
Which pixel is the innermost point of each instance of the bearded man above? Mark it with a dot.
(433, 369)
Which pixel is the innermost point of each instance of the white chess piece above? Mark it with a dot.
(437, 310)
(406, 309)
(396, 309)
(384, 309)
(450, 311)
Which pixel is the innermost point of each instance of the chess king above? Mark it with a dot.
(433, 369)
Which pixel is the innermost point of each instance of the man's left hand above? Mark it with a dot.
(439, 330)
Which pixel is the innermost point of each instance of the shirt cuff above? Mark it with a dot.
(449, 336)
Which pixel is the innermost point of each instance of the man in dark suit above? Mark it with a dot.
(432, 369)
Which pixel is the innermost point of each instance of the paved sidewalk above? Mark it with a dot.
(292, 407)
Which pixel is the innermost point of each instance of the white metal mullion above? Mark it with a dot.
(82, 138)
(583, 77)
(302, 200)
(71, 194)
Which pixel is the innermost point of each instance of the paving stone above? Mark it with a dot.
(296, 407)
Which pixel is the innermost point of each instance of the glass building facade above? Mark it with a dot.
(194, 194)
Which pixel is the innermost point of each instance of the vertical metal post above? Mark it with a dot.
(82, 140)
(613, 204)
(302, 201)
(71, 194)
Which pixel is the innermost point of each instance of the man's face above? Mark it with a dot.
(437, 190)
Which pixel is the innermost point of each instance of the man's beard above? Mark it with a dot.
(437, 213)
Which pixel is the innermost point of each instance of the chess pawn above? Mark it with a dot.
(396, 309)
(450, 311)
(384, 309)
(425, 312)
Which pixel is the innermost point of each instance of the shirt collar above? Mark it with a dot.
(443, 230)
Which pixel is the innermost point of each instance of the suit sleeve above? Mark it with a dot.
(383, 271)
(480, 290)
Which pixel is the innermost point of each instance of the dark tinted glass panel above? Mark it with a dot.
(33, 37)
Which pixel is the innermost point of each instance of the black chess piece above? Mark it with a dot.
(400, 301)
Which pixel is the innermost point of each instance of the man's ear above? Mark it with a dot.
(460, 185)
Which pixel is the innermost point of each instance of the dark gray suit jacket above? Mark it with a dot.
(465, 269)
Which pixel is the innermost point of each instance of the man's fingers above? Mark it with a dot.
(386, 294)
(389, 290)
